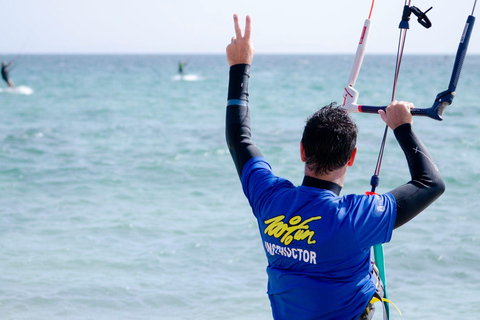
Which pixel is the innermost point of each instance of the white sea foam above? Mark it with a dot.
(187, 77)
(18, 90)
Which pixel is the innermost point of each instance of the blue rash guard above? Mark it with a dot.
(317, 244)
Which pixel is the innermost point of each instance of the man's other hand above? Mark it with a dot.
(241, 50)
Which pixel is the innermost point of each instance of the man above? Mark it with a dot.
(181, 67)
(5, 71)
(317, 242)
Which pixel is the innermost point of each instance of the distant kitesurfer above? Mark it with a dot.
(6, 68)
(318, 242)
(181, 66)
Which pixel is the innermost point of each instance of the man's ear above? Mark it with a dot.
(302, 152)
(352, 157)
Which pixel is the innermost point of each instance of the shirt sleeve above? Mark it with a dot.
(373, 219)
(259, 184)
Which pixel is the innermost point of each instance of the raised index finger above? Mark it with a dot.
(248, 28)
(238, 30)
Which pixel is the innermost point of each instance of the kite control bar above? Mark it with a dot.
(443, 99)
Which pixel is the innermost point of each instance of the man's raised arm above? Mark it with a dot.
(426, 184)
(240, 53)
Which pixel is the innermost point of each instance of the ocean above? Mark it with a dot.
(119, 199)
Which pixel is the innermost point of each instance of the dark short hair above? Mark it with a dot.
(329, 138)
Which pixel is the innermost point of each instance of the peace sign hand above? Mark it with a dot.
(241, 50)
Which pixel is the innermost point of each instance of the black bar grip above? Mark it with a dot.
(414, 111)
(370, 109)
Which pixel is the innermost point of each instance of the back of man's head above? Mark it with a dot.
(329, 138)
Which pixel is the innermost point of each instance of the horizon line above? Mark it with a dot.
(221, 54)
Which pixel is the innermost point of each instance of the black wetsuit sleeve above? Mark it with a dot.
(426, 184)
(237, 126)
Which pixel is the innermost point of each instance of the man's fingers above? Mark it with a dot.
(394, 102)
(383, 115)
(248, 28)
(238, 30)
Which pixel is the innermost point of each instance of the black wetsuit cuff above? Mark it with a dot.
(238, 83)
(402, 129)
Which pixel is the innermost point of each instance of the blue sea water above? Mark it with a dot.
(119, 199)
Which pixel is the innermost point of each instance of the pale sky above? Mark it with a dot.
(206, 26)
